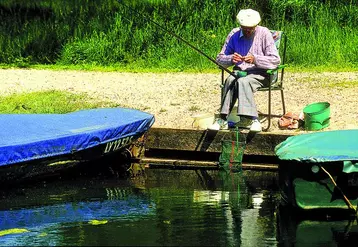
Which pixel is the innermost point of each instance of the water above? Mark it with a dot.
(160, 207)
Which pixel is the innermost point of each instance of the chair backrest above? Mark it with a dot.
(279, 36)
(276, 35)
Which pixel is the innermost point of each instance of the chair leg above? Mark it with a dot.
(283, 102)
(270, 115)
(269, 112)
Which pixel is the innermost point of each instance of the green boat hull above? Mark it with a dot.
(306, 186)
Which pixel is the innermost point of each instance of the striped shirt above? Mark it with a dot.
(261, 46)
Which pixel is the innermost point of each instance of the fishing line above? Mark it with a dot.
(179, 38)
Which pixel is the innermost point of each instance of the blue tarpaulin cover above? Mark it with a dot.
(25, 137)
(325, 146)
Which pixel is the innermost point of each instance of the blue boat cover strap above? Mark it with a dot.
(325, 146)
(25, 137)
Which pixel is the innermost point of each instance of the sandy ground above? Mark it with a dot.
(174, 98)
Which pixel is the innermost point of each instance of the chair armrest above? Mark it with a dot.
(271, 71)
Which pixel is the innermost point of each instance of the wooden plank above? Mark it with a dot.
(194, 164)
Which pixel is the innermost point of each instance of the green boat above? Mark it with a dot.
(319, 171)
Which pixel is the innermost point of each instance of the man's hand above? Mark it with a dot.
(249, 58)
(237, 58)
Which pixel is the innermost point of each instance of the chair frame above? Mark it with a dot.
(274, 85)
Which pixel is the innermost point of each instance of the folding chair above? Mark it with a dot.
(275, 76)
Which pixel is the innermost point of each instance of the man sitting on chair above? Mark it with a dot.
(251, 50)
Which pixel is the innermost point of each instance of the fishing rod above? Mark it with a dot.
(180, 39)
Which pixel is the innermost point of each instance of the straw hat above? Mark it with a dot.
(248, 17)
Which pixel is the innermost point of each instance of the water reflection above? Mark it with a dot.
(300, 230)
(220, 212)
(161, 207)
(48, 215)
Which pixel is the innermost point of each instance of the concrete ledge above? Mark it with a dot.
(262, 143)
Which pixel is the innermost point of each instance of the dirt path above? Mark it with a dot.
(175, 98)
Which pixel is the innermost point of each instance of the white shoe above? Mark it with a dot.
(256, 126)
(219, 124)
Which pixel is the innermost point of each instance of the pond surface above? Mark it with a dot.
(160, 207)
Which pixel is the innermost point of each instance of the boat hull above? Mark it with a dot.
(105, 155)
(307, 187)
(33, 145)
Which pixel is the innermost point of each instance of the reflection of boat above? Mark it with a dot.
(296, 231)
(72, 212)
(35, 144)
(41, 214)
(319, 171)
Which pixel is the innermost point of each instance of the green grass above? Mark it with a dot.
(321, 68)
(49, 102)
(342, 84)
(112, 37)
(134, 69)
(111, 68)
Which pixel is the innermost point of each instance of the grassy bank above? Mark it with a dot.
(49, 102)
(133, 69)
(111, 35)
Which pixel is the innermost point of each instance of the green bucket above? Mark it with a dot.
(317, 115)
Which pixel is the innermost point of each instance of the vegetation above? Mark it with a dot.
(49, 102)
(122, 35)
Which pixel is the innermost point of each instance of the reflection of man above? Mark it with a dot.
(251, 50)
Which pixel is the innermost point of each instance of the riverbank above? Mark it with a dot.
(175, 97)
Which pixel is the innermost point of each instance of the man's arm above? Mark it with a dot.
(222, 58)
(271, 58)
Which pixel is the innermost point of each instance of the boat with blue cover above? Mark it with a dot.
(36, 144)
(319, 170)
